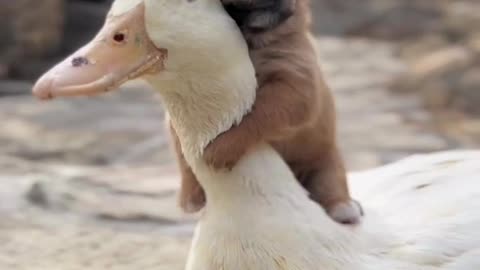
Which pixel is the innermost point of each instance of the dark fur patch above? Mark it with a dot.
(259, 16)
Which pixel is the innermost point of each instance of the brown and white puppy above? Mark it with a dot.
(294, 110)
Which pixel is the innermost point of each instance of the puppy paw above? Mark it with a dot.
(346, 212)
(225, 151)
(192, 202)
(220, 160)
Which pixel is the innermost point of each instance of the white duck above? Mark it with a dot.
(421, 213)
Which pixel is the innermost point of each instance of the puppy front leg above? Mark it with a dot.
(280, 109)
(327, 184)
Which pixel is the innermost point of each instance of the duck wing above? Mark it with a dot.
(431, 203)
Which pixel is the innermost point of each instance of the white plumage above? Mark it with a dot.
(430, 204)
(421, 214)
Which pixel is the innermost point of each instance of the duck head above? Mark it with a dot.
(190, 51)
(137, 40)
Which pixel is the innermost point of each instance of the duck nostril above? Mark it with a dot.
(79, 61)
(119, 37)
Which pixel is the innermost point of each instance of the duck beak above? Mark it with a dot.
(121, 51)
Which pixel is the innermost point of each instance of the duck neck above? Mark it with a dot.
(201, 106)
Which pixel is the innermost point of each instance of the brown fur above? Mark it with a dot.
(293, 111)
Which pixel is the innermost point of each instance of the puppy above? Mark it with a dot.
(294, 110)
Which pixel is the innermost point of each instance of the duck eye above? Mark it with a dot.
(119, 37)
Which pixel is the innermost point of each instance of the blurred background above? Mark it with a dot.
(89, 182)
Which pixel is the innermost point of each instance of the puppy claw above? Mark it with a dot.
(347, 212)
(219, 164)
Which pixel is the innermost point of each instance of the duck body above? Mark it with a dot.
(259, 217)
(421, 213)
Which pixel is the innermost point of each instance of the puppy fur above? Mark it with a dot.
(294, 110)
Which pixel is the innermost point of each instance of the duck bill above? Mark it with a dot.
(121, 51)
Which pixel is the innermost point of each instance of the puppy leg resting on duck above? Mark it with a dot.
(294, 112)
